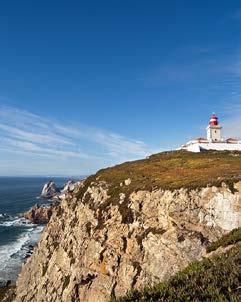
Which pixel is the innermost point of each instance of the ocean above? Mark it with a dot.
(18, 236)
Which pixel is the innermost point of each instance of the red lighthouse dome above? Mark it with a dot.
(213, 120)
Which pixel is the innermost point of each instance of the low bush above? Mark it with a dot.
(231, 238)
(216, 279)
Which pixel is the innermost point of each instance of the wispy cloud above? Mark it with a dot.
(24, 132)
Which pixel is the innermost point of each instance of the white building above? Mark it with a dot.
(214, 140)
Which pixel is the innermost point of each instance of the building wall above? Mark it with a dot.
(198, 147)
(214, 133)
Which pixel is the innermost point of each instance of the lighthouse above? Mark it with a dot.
(214, 140)
(214, 130)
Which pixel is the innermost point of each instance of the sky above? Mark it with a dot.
(90, 84)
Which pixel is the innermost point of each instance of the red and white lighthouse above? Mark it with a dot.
(214, 130)
(214, 141)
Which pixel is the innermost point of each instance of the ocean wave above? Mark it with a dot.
(15, 221)
(13, 254)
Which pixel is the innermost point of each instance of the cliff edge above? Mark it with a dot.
(134, 225)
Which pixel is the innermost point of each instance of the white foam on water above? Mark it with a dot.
(12, 255)
(16, 221)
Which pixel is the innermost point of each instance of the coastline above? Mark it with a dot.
(26, 226)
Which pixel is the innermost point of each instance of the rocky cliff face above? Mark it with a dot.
(103, 242)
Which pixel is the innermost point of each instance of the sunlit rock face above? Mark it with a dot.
(41, 214)
(49, 190)
(94, 248)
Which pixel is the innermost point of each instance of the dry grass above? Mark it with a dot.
(167, 170)
(173, 170)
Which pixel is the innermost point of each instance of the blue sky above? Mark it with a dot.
(88, 84)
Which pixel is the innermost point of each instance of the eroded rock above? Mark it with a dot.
(39, 214)
(89, 253)
(49, 190)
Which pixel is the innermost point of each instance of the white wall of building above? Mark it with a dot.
(198, 147)
(214, 133)
(214, 140)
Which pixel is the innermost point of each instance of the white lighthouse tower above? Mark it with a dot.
(214, 140)
(214, 130)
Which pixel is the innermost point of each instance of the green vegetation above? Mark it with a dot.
(166, 170)
(231, 238)
(172, 170)
(216, 279)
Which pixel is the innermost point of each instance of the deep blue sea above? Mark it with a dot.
(18, 194)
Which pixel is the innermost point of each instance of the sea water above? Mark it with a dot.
(17, 235)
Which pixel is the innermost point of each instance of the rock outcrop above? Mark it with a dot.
(69, 186)
(94, 247)
(134, 224)
(68, 189)
(41, 214)
(49, 190)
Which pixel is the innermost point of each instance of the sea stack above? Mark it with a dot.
(49, 190)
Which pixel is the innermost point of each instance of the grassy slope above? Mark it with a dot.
(216, 279)
(173, 170)
(166, 170)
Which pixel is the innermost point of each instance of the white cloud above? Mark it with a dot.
(33, 137)
(23, 132)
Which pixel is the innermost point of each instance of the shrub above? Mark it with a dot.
(208, 280)
(231, 238)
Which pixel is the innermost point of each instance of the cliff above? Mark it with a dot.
(214, 278)
(133, 225)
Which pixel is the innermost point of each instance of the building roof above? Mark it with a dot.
(231, 139)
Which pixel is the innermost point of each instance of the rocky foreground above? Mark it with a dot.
(133, 225)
